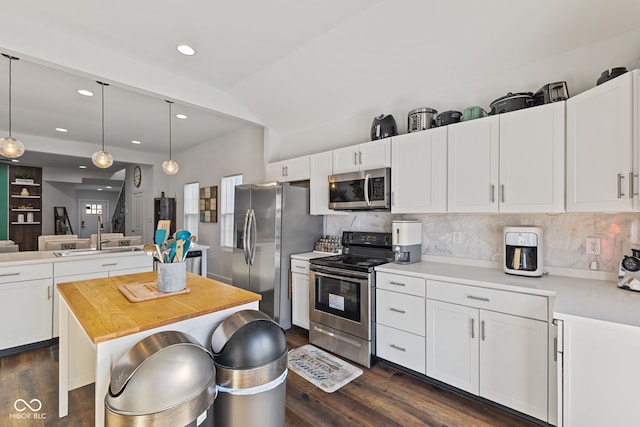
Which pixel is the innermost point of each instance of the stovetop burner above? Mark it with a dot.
(363, 251)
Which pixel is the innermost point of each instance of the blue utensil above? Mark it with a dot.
(182, 235)
(160, 236)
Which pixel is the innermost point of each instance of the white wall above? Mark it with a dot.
(58, 194)
(241, 152)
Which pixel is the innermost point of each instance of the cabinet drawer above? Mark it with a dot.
(399, 283)
(101, 264)
(400, 311)
(524, 305)
(401, 347)
(299, 266)
(19, 273)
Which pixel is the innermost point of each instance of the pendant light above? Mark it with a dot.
(102, 159)
(11, 147)
(170, 167)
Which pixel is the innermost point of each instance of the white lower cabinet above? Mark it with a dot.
(501, 357)
(25, 304)
(300, 293)
(400, 347)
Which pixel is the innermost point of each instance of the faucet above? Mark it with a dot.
(99, 235)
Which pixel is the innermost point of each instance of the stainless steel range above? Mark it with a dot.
(342, 296)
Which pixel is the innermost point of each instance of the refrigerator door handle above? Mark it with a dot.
(367, 179)
(252, 236)
(245, 232)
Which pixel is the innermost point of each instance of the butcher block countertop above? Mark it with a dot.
(105, 313)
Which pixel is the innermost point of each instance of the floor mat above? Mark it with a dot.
(321, 368)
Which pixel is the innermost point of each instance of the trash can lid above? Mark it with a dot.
(160, 372)
(247, 339)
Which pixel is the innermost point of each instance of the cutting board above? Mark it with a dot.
(144, 291)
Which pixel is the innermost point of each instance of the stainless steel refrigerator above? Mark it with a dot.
(272, 222)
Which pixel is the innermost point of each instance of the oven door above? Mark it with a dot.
(341, 300)
(360, 190)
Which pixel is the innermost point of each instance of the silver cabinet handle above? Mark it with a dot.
(632, 177)
(397, 283)
(360, 157)
(397, 310)
(492, 193)
(397, 347)
(482, 330)
(286, 171)
(49, 292)
(555, 349)
(300, 266)
(355, 158)
(502, 193)
(473, 328)
(620, 178)
(478, 298)
(10, 274)
(110, 264)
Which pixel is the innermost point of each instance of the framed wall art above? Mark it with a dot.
(209, 204)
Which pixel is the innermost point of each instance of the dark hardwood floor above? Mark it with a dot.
(382, 396)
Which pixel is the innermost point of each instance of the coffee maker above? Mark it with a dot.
(407, 242)
(523, 253)
(629, 271)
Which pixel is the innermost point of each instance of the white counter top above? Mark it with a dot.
(38, 257)
(311, 255)
(593, 299)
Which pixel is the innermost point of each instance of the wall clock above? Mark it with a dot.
(137, 176)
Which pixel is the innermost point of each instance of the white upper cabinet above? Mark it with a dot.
(369, 155)
(513, 162)
(600, 148)
(296, 169)
(532, 144)
(320, 167)
(473, 165)
(419, 172)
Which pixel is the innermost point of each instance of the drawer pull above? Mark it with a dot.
(397, 348)
(478, 298)
(10, 274)
(397, 283)
(109, 264)
(300, 266)
(397, 310)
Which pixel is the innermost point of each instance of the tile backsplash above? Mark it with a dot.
(479, 236)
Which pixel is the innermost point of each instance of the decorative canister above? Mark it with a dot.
(24, 192)
(172, 276)
(30, 217)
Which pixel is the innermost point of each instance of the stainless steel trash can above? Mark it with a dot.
(250, 355)
(166, 379)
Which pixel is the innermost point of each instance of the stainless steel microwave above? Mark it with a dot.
(361, 190)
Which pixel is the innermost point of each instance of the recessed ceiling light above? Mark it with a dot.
(186, 50)
(15, 160)
(108, 186)
(136, 142)
(181, 116)
(85, 92)
(99, 189)
(63, 130)
(82, 167)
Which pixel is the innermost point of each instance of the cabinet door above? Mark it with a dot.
(346, 159)
(400, 311)
(320, 167)
(532, 159)
(275, 172)
(375, 154)
(452, 344)
(300, 300)
(25, 312)
(419, 172)
(400, 347)
(297, 169)
(513, 362)
(599, 148)
(473, 165)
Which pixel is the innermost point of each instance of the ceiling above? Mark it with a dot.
(289, 65)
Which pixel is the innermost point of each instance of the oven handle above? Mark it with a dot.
(339, 274)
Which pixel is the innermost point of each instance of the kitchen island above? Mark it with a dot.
(96, 312)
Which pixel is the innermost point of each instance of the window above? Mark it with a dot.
(191, 206)
(227, 191)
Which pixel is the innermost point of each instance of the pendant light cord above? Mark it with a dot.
(102, 84)
(10, 61)
(170, 102)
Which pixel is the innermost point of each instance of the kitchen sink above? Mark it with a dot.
(82, 252)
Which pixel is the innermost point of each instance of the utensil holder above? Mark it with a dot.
(172, 276)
